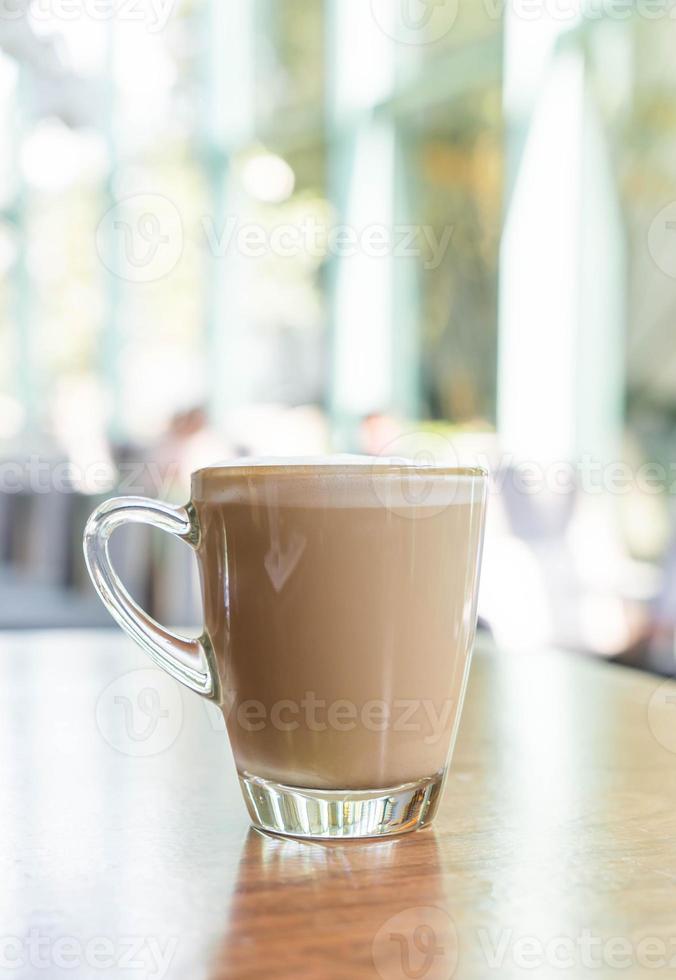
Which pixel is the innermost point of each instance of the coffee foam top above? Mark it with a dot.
(341, 480)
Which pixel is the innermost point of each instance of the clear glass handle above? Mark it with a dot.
(189, 661)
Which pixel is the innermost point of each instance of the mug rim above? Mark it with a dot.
(293, 469)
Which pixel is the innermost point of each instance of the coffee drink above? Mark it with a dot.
(344, 638)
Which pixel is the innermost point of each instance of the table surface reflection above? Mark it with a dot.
(126, 850)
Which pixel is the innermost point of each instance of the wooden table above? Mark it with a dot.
(126, 851)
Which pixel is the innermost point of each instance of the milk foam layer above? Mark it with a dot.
(338, 481)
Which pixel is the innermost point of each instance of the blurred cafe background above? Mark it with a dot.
(291, 227)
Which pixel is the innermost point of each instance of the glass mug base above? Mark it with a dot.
(340, 814)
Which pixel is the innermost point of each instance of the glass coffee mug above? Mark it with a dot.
(340, 610)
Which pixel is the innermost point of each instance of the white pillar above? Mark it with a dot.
(228, 125)
(362, 189)
(562, 265)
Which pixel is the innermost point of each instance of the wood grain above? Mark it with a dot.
(552, 855)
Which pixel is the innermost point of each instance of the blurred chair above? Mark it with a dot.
(6, 509)
(43, 581)
(41, 544)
